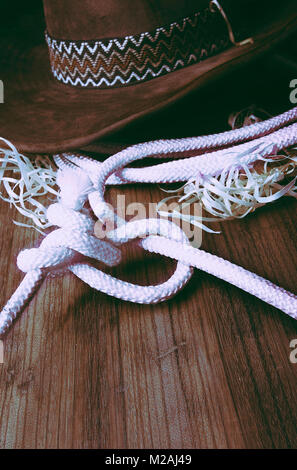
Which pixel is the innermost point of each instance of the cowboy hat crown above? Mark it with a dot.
(105, 64)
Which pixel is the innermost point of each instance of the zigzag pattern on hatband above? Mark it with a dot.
(130, 60)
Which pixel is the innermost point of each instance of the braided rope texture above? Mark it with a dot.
(81, 179)
(210, 162)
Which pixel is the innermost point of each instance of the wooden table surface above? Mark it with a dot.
(208, 369)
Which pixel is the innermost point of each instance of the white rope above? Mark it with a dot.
(81, 178)
(257, 136)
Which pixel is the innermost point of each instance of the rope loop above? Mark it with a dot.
(81, 179)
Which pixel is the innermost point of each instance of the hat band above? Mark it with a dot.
(118, 62)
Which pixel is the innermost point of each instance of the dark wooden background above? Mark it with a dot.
(207, 369)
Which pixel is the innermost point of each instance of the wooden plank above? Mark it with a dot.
(208, 369)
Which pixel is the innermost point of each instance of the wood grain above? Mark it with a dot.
(207, 369)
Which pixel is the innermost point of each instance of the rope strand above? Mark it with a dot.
(81, 179)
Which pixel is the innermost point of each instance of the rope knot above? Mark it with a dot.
(82, 178)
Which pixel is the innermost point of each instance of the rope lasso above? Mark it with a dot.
(81, 179)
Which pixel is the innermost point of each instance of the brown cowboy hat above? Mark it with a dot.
(103, 64)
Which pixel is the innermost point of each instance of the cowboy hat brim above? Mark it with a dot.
(41, 115)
